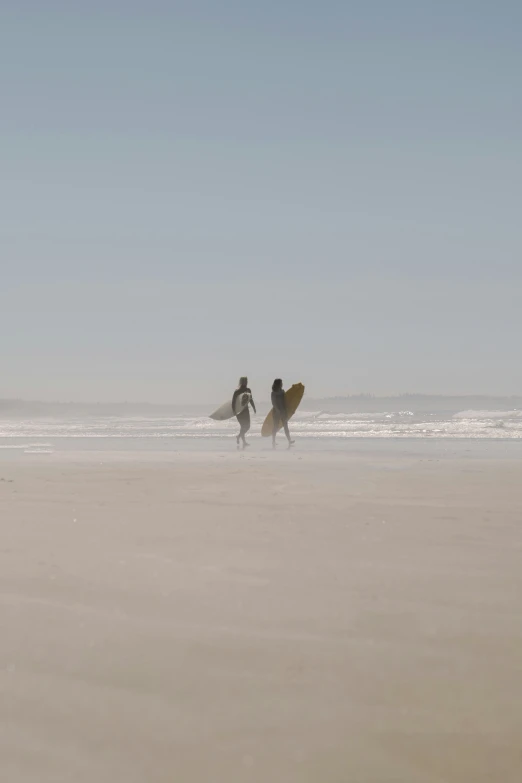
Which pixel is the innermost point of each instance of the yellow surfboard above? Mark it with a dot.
(293, 397)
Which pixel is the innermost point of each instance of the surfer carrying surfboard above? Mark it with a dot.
(280, 412)
(243, 416)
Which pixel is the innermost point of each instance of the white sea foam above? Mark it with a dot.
(486, 415)
(43, 434)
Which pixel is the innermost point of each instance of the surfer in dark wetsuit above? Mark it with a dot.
(244, 416)
(279, 414)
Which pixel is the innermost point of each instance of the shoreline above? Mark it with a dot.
(167, 449)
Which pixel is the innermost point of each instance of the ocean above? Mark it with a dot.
(321, 428)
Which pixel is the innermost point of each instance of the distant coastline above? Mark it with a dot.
(357, 403)
(367, 403)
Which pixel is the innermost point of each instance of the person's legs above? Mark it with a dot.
(244, 429)
(244, 422)
(275, 427)
(287, 433)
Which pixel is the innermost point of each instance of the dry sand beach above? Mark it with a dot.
(254, 617)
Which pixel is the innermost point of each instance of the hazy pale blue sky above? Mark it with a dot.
(327, 191)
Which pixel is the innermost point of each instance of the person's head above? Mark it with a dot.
(277, 384)
(243, 381)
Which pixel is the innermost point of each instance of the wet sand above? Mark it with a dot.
(252, 617)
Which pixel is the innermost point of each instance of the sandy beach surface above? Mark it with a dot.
(227, 617)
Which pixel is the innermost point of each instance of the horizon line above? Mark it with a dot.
(356, 396)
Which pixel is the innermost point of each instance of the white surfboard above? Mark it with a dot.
(226, 411)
